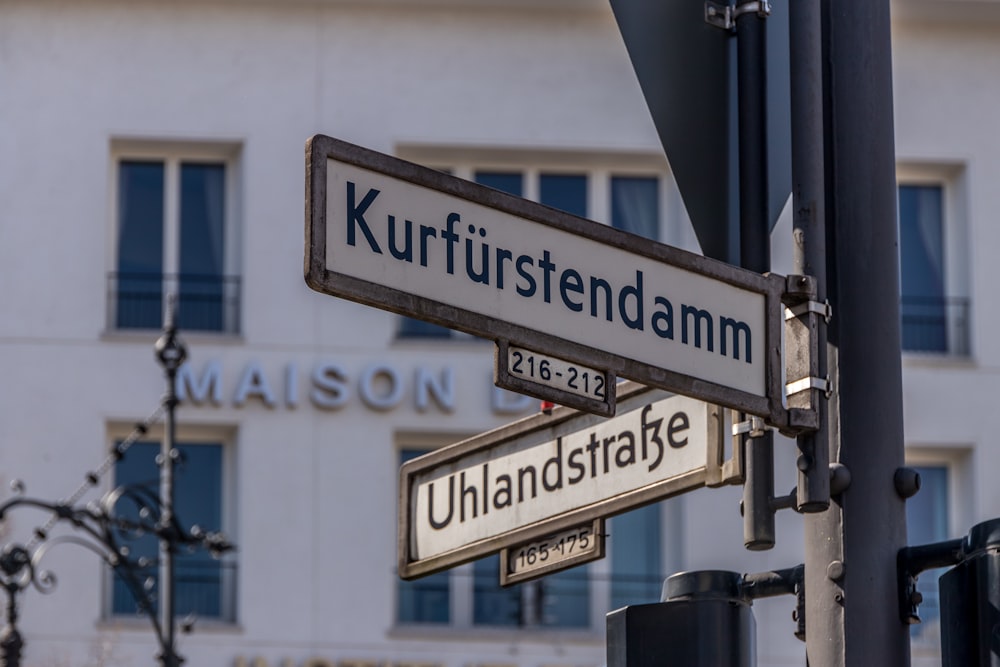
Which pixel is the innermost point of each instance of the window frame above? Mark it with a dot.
(957, 459)
(172, 154)
(959, 478)
(225, 437)
(951, 178)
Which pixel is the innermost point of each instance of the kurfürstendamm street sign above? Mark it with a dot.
(418, 242)
(550, 473)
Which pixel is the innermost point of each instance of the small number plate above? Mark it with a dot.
(552, 553)
(553, 379)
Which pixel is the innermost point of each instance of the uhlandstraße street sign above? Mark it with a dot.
(552, 476)
(415, 241)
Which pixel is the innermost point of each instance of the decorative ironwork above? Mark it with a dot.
(109, 525)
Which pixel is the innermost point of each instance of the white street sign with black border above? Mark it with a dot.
(549, 473)
(416, 241)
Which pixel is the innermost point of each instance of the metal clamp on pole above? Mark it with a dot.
(724, 16)
(755, 426)
(803, 317)
(823, 309)
(821, 384)
(761, 8)
(809, 388)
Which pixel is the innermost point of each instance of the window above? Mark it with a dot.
(174, 234)
(636, 558)
(205, 586)
(424, 600)
(635, 205)
(626, 201)
(576, 599)
(926, 523)
(560, 600)
(921, 249)
(933, 318)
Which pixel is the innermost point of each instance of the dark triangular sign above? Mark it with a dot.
(687, 71)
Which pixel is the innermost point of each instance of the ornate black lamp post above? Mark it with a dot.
(171, 353)
(105, 529)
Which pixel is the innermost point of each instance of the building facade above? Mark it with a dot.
(150, 149)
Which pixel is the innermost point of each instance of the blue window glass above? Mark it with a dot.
(635, 205)
(139, 285)
(511, 182)
(146, 272)
(493, 604)
(202, 247)
(636, 557)
(564, 598)
(926, 523)
(566, 192)
(560, 600)
(203, 586)
(424, 600)
(922, 277)
(411, 328)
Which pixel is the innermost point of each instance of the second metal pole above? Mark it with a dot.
(755, 247)
(852, 612)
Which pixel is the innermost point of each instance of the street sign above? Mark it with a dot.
(553, 379)
(547, 474)
(552, 553)
(418, 242)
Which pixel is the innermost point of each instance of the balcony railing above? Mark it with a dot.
(204, 302)
(935, 325)
(204, 588)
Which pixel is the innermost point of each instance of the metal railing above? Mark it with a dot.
(205, 589)
(204, 302)
(935, 325)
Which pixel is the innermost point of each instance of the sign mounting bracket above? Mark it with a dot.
(724, 16)
(804, 386)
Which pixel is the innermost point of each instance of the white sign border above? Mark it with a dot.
(321, 148)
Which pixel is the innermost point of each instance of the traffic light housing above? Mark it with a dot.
(712, 625)
(970, 602)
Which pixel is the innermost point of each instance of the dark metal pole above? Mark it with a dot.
(11, 642)
(851, 590)
(751, 61)
(755, 244)
(824, 613)
(171, 354)
(809, 224)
